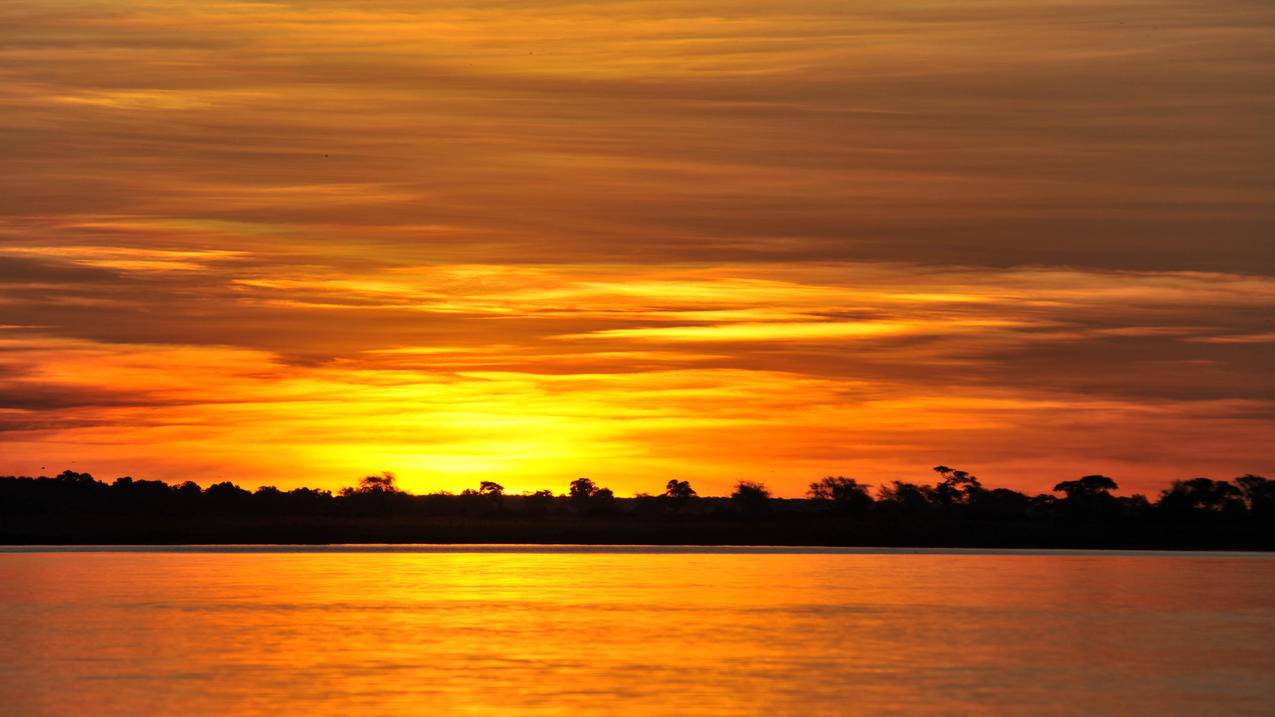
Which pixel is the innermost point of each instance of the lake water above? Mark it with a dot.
(632, 631)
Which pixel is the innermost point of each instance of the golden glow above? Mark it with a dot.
(297, 243)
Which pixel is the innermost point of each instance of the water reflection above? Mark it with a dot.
(545, 633)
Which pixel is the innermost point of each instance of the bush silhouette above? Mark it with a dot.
(846, 495)
(679, 490)
(751, 497)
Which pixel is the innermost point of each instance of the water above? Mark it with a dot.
(598, 631)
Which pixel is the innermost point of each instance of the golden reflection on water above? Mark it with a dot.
(647, 633)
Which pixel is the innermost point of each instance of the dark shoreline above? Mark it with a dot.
(958, 512)
(809, 531)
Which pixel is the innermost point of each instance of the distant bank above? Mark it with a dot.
(776, 531)
(955, 512)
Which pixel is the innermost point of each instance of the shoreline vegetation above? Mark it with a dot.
(954, 511)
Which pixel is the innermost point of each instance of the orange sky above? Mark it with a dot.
(293, 243)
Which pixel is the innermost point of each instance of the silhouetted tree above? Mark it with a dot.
(268, 500)
(957, 486)
(999, 504)
(187, 497)
(188, 489)
(1043, 503)
(383, 483)
(588, 498)
(847, 495)
(751, 497)
(1259, 495)
(581, 489)
(309, 501)
(903, 497)
(602, 502)
(71, 477)
(679, 490)
(493, 492)
(537, 503)
(1134, 506)
(1087, 488)
(477, 502)
(141, 496)
(226, 497)
(1201, 496)
(1088, 497)
(376, 494)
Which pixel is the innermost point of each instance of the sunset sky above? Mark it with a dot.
(294, 243)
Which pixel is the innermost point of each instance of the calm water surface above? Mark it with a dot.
(577, 631)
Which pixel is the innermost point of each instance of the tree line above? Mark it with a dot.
(954, 495)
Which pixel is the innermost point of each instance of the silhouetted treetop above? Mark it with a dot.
(904, 495)
(957, 486)
(678, 489)
(383, 483)
(751, 497)
(1086, 487)
(847, 494)
(1259, 495)
(750, 490)
(588, 498)
(1202, 495)
(581, 488)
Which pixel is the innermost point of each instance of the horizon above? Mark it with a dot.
(700, 238)
(871, 488)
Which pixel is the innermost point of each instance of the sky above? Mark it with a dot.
(294, 243)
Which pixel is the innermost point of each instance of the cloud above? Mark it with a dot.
(641, 239)
(428, 370)
(1260, 338)
(1109, 136)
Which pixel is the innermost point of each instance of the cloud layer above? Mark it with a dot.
(295, 242)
